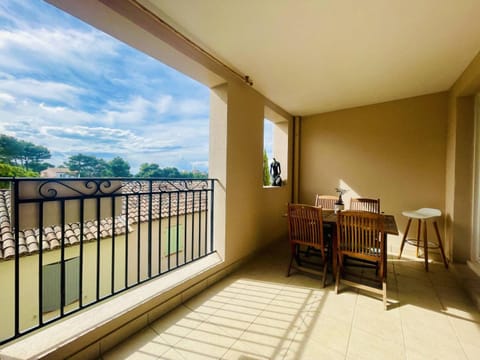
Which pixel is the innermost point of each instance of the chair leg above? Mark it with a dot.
(293, 251)
(419, 234)
(405, 237)
(324, 277)
(425, 245)
(337, 278)
(440, 244)
(290, 264)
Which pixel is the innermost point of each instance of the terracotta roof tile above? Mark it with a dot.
(163, 204)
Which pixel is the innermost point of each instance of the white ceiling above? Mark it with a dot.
(313, 56)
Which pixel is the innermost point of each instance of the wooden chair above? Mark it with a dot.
(305, 228)
(326, 202)
(359, 237)
(365, 204)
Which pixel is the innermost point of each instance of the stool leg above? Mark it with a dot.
(404, 237)
(418, 234)
(440, 244)
(425, 245)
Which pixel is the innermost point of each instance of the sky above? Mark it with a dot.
(73, 89)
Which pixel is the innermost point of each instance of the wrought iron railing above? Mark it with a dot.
(66, 244)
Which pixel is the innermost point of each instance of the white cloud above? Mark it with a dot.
(192, 107)
(45, 90)
(72, 89)
(6, 98)
(69, 47)
(163, 104)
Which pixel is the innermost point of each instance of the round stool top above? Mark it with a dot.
(423, 213)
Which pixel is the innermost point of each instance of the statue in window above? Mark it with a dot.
(275, 171)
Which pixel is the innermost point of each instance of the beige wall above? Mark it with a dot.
(394, 151)
(251, 214)
(29, 281)
(459, 162)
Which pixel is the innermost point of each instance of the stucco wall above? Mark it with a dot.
(29, 282)
(459, 164)
(252, 215)
(394, 151)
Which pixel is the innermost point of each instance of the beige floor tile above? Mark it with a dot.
(231, 323)
(206, 341)
(418, 317)
(364, 345)
(377, 322)
(333, 334)
(212, 294)
(273, 325)
(146, 344)
(282, 331)
(467, 331)
(174, 354)
(340, 306)
(312, 348)
(258, 313)
(472, 351)
(306, 280)
(247, 354)
(431, 335)
(259, 335)
(250, 348)
(422, 353)
(177, 324)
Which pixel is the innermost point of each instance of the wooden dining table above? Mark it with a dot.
(389, 224)
(389, 227)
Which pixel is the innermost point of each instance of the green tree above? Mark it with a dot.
(23, 153)
(88, 165)
(41, 166)
(170, 172)
(7, 170)
(119, 167)
(266, 170)
(153, 170)
(149, 170)
(10, 149)
(33, 154)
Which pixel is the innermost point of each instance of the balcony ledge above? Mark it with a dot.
(95, 330)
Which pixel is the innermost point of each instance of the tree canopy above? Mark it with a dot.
(23, 153)
(25, 159)
(153, 170)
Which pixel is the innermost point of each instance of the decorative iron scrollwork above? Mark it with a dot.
(50, 189)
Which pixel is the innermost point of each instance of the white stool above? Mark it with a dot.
(422, 215)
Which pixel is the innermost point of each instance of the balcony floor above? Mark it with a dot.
(258, 313)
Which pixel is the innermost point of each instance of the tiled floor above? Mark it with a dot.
(258, 313)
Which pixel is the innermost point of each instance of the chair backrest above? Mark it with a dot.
(359, 235)
(326, 202)
(305, 226)
(365, 204)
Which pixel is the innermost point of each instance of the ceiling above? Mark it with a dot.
(314, 56)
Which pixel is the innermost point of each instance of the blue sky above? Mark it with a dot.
(73, 89)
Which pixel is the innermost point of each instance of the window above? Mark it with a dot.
(267, 151)
(52, 287)
(275, 148)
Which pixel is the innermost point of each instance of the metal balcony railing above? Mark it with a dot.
(66, 244)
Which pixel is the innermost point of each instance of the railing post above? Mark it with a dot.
(16, 236)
